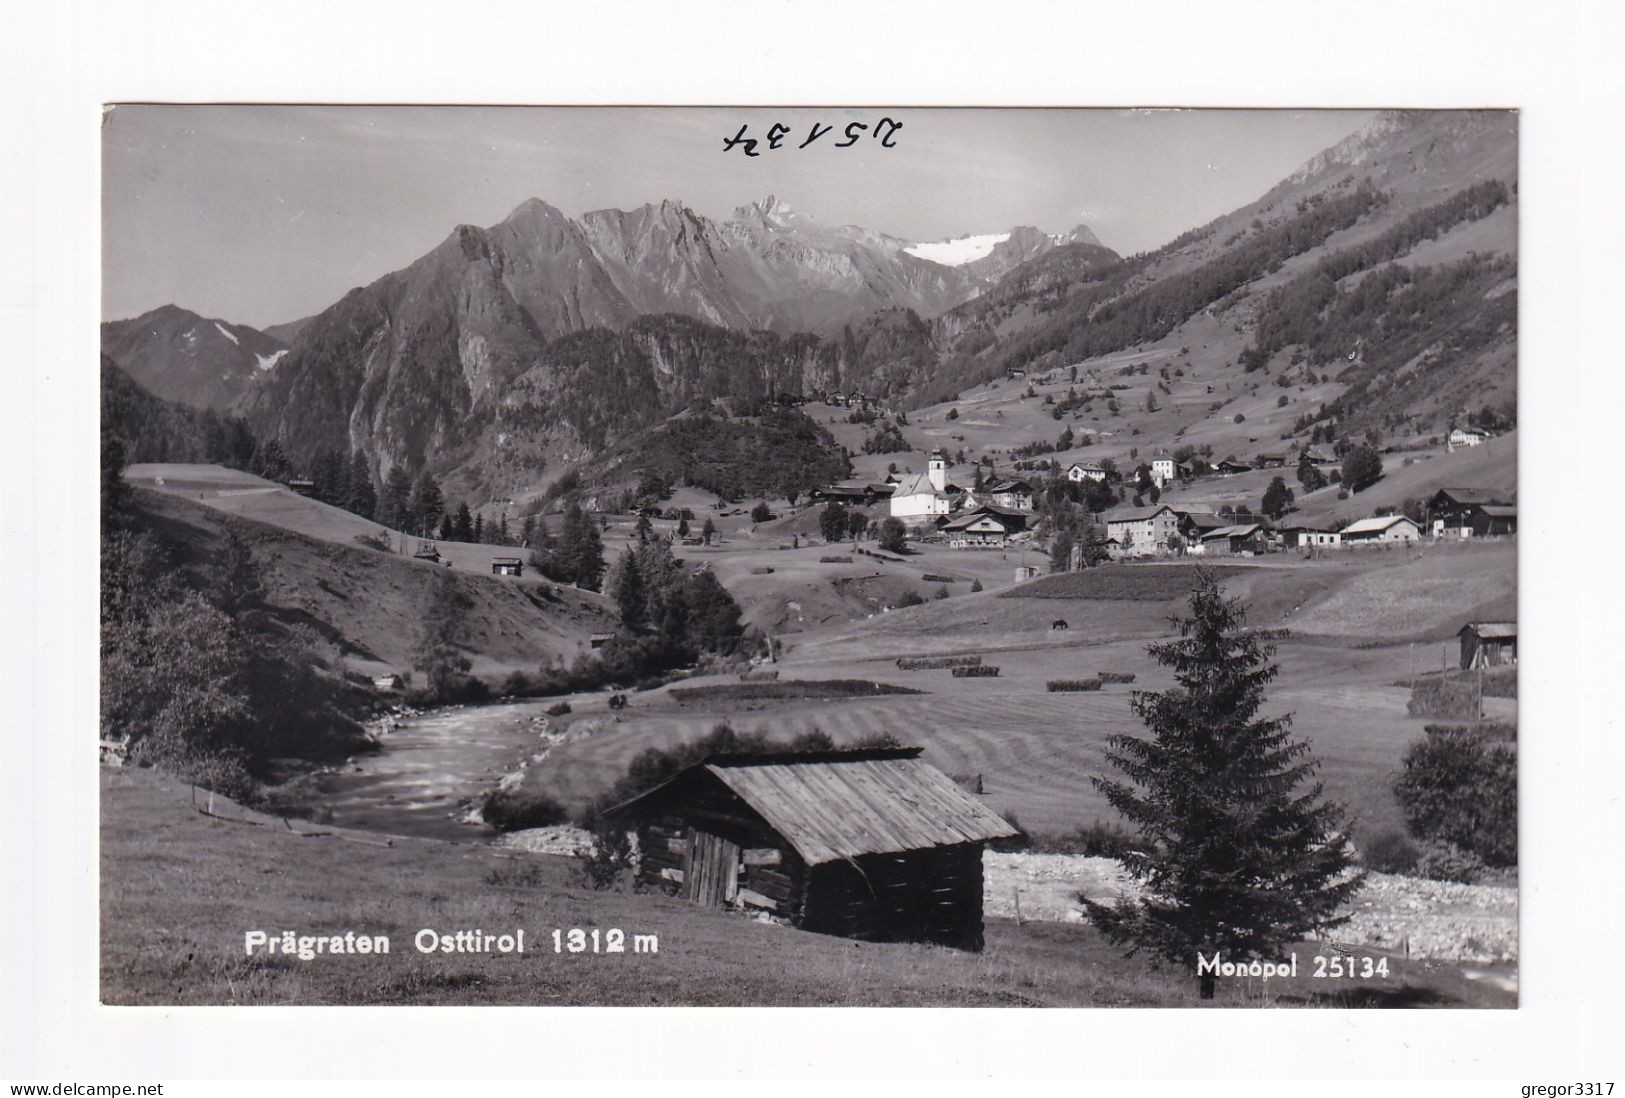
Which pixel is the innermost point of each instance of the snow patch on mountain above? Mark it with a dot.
(958, 252)
(221, 328)
(270, 360)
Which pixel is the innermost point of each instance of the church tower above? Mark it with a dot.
(937, 470)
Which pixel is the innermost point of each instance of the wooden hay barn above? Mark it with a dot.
(1489, 644)
(507, 566)
(872, 844)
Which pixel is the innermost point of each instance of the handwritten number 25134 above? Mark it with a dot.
(885, 131)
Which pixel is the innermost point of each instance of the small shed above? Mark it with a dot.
(507, 566)
(598, 640)
(873, 844)
(1026, 572)
(1489, 644)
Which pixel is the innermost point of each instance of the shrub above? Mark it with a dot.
(1391, 852)
(910, 597)
(611, 856)
(764, 570)
(1115, 676)
(516, 685)
(558, 709)
(1060, 685)
(1460, 787)
(1096, 840)
(1436, 697)
(759, 675)
(1442, 861)
(940, 593)
(515, 809)
(932, 577)
(835, 560)
(975, 585)
(981, 671)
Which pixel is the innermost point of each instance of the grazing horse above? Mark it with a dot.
(1059, 623)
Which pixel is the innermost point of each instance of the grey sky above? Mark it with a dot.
(262, 214)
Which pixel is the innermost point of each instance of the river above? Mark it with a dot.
(432, 765)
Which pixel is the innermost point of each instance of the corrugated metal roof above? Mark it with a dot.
(832, 808)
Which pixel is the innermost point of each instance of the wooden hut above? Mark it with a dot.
(872, 844)
(507, 566)
(1489, 644)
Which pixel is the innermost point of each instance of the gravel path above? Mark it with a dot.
(1435, 919)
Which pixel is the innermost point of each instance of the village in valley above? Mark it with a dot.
(834, 706)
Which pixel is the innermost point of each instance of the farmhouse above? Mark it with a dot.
(1245, 539)
(1310, 537)
(923, 495)
(1470, 512)
(507, 566)
(1086, 470)
(1193, 524)
(987, 527)
(1143, 532)
(1228, 467)
(1386, 529)
(1465, 436)
(1271, 461)
(1162, 469)
(865, 844)
(851, 493)
(1013, 494)
(1489, 644)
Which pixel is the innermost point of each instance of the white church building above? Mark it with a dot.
(923, 495)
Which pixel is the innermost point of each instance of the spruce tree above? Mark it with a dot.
(362, 498)
(393, 508)
(629, 593)
(1236, 850)
(462, 527)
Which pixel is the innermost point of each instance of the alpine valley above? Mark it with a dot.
(1377, 284)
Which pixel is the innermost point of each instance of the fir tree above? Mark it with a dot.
(362, 498)
(1277, 498)
(425, 505)
(462, 527)
(629, 591)
(644, 529)
(1234, 854)
(397, 493)
(708, 530)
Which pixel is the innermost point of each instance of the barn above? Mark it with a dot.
(872, 844)
(507, 566)
(1489, 644)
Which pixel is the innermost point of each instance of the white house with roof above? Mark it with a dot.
(923, 495)
(1145, 531)
(1162, 470)
(1465, 436)
(1383, 530)
(1086, 470)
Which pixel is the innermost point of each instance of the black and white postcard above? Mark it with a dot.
(622, 556)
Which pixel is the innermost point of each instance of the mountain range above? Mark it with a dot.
(509, 354)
